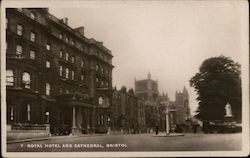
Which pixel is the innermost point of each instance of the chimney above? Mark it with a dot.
(80, 30)
(65, 20)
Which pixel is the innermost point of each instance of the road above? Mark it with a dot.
(140, 142)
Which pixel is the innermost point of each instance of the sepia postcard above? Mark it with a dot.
(113, 78)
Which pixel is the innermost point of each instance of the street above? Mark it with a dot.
(140, 142)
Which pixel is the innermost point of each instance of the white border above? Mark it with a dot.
(74, 3)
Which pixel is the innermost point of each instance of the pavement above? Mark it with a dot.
(56, 137)
(87, 135)
(133, 142)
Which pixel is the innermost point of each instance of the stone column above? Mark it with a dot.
(73, 120)
(167, 121)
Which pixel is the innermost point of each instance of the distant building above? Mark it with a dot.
(147, 89)
(129, 111)
(182, 106)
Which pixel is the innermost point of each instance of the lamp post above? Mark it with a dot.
(167, 120)
(47, 117)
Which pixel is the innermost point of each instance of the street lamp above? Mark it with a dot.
(167, 120)
(47, 116)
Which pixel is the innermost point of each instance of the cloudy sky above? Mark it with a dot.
(169, 39)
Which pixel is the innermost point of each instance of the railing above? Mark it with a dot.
(75, 97)
(16, 56)
(29, 127)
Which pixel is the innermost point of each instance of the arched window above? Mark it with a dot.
(100, 100)
(26, 80)
(47, 88)
(9, 77)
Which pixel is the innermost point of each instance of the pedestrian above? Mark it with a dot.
(194, 128)
(156, 129)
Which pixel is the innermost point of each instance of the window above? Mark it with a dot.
(47, 89)
(102, 70)
(67, 40)
(73, 59)
(48, 46)
(19, 50)
(101, 119)
(28, 112)
(61, 36)
(97, 80)
(19, 30)
(107, 84)
(61, 70)
(32, 54)
(82, 63)
(102, 83)
(67, 91)
(61, 90)
(73, 43)
(32, 16)
(107, 101)
(47, 64)
(67, 73)
(26, 80)
(72, 75)
(32, 36)
(100, 100)
(61, 54)
(11, 112)
(82, 77)
(67, 56)
(9, 78)
(97, 67)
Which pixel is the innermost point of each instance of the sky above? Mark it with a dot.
(169, 39)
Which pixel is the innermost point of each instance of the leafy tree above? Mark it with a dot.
(217, 83)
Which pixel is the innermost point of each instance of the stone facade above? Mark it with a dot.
(148, 90)
(55, 75)
(129, 111)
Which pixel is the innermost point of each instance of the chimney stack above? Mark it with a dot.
(80, 30)
(65, 20)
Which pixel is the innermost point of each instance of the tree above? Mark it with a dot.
(217, 83)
